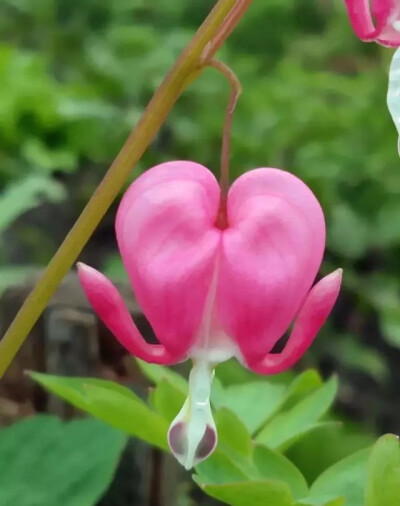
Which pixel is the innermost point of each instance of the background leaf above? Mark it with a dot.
(232, 432)
(25, 194)
(383, 481)
(47, 462)
(346, 478)
(111, 403)
(284, 429)
(253, 403)
(167, 399)
(251, 493)
(275, 466)
(156, 373)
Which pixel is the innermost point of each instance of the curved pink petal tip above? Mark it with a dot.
(313, 314)
(376, 20)
(111, 309)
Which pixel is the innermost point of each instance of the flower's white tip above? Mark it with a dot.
(192, 436)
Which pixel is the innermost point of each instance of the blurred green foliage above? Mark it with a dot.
(75, 77)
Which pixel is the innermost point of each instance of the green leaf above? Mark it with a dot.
(26, 194)
(301, 386)
(231, 461)
(11, 275)
(232, 372)
(156, 373)
(253, 403)
(358, 357)
(218, 469)
(275, 466)
(348, 234)
(47, 462)
(383, 482)
(110, 402)
(346, 478)
(45, 159)
(167, 399)
(251, 493)
(232, 432)
(339, 501)
(287, 427)
(323, 447)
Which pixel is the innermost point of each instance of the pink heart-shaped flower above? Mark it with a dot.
(218, 292)
(211, 292)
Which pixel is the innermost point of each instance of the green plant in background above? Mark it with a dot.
(41, 461)
(260, 424)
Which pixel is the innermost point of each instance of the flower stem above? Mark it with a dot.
(229, 24)
(236, 90)
(211, 35)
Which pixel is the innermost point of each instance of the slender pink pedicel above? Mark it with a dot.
(214, 293)
(376, 20)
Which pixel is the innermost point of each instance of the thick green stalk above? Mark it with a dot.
(188, 65)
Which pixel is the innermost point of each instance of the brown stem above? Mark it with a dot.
(236, 90)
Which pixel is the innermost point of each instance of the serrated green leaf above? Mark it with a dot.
(251, 493)
(110, 402)
(45, 461)
(383, 482)
(286, 428)
(275, 466)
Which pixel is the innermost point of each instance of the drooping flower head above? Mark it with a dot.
(214, 289)
(376, 20)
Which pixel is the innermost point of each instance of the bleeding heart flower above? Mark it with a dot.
(376, 20)
(216, 288)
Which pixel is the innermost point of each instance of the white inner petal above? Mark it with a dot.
(192, 435)
(212, 344)
(395, 15)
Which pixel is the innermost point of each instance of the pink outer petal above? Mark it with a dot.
(312, 316)
(270, 256)
(168, 242)
(384, 12)
(110, 307)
